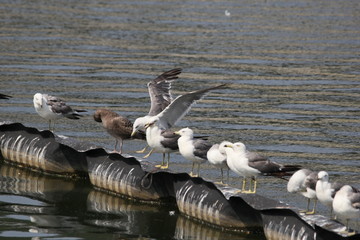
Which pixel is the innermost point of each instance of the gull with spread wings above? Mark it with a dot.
(160, 97)
(157, 128)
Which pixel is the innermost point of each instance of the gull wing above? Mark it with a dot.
(170, 139)
(267, 167)
(4, 96)
(181, 105)
(335, 186)
(354, 198)
(201, 147)
(59, 106)
(159, 91)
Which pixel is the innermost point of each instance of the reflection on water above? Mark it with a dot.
(292, 68)
(45, 206)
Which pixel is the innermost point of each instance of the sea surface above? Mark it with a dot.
(293, 69)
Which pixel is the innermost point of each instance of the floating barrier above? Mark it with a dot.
(139, 180)
(40, 150)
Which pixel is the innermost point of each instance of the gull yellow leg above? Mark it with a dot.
(243, 184)
(307, 206)
(255, 185)
(148, 155)
(142, 150)
(198, 170)
(166, 166)
(313, 210)
(192, 170)
(162, 162)
(347, 230)
(222, 178)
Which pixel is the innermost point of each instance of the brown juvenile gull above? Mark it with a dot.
(117, 126)
(52, 108)
(170, 116)
(160, 98)
(4, 96)
(250, 165)
(303, 181)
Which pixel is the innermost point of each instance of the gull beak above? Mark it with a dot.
(147, 125)
(177, 133)
(228, 146)
(133, 133)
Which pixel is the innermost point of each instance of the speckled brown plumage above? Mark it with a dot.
(117, 126)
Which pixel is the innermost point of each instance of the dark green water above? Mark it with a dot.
(294, 95)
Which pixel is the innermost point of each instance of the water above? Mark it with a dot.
(294, 95)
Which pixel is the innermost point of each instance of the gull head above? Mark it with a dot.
(38, 100)
(97, 116)
(323, 176)
(185, 132)
(151, 122)
(223, 145)
(139, 124)
(346, 189)
(239, 146)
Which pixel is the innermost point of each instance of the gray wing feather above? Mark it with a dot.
(159, 91)
(4, 96)
(180, 106)
(253, 157)
(335, 186)
(201, 147)
(310, 180)
(355, 199)
(59, 106)
(170, 139)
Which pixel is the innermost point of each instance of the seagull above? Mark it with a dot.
(160, 97)
(192, 149)
(117, 126)
(217, 157)
(325, 191)
(162, 141)
(4, 96)
(346, 204)
(303, 181)
(51, 108)
(250, 165)
(172, 114)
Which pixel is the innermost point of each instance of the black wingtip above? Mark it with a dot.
(4, 96)
(169, 75)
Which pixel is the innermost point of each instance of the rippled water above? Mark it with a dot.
(294, 94)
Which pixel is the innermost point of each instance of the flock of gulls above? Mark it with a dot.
(165, 112)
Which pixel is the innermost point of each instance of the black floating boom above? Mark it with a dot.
(139, 180)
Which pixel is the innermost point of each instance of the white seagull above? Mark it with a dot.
(346, 204)
(52, 108)
(192, 149)
(161, 141)
(217, 157)
(160, 98)
(325, 191)
(172, 114)
(250, 165)
(303, 181)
